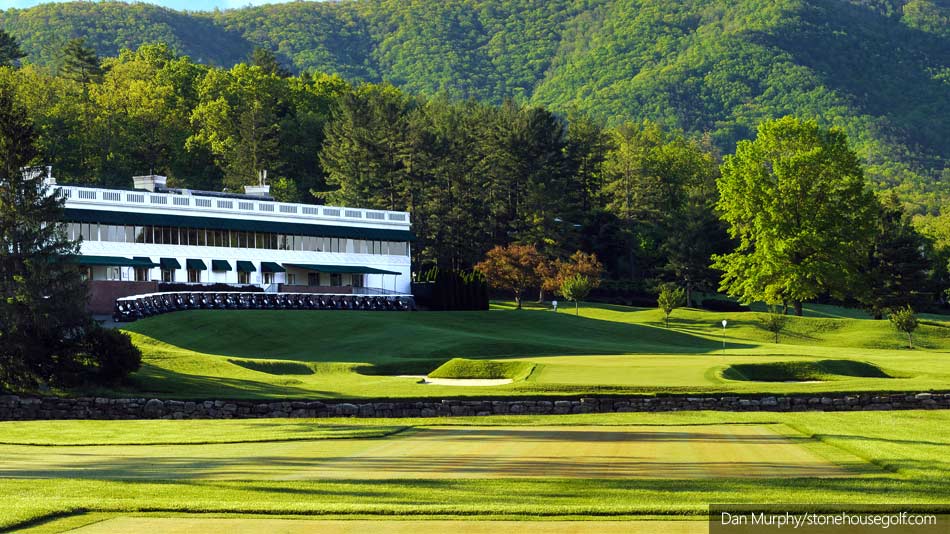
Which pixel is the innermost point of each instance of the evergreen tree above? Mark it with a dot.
(42, 296)
(366, 146)
(898, 270)
(267, 60)
(10, 51)
(80, 62)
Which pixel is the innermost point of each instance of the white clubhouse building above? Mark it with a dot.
(154, 234)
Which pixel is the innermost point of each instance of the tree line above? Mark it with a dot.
(653, 204)
(873, 67)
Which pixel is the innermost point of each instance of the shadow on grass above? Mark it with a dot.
(416, 467)
(153, 380)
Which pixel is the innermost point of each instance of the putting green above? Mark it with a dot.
(686, 451)
(181, 525)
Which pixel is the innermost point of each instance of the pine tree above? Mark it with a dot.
(10, 51)
(43, 321)
(268, 62)
(80, 62)
(897, 274)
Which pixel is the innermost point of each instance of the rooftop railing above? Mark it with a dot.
(75, 195)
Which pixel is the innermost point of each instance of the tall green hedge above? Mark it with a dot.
(447, 290)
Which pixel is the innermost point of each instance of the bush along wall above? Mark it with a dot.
(447, 290)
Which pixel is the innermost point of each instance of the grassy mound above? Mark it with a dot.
(272, 367)
(803, 371)
(483, 369)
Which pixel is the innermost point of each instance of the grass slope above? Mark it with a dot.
(463, 368)
(802, 371)
(608, 349)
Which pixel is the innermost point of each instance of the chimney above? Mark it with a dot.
(261, 189)
(257, 190)
(50, 180)
(151, 182)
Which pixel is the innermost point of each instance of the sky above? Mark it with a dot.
(192, 5)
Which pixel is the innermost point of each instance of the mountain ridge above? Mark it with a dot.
(878, 68)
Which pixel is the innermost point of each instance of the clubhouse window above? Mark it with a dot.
(201, 237)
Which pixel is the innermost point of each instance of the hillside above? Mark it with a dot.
(879, 68)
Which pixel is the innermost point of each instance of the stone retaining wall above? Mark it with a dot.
(41, 408)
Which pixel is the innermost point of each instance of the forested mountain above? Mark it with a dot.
(879, 68)
(566, 126)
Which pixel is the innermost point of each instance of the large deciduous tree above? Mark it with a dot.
(554, 273)
(797, 201)
(236, 119)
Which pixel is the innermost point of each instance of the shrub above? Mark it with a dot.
(773, 321)
(576, 288)
(112, 353)
(905, 320)
(670, 298)
(447, 290)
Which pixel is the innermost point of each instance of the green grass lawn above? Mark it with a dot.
(903, 455)
(607, 349)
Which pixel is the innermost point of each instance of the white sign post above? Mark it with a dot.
(554, 303)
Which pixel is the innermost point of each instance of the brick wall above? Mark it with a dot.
(102, 293)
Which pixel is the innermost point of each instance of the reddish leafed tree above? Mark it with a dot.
(553, 274)
(513, 267)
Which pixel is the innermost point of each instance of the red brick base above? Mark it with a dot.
(102, 293)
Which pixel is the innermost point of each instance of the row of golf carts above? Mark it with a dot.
(139, 306)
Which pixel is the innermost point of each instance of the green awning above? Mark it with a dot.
(114, 261)
(221, 265)
(145, 261)
(245, 267)
(271, 267)
(169, 264)
(234, 223)
(195, 265)
(354, 269)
